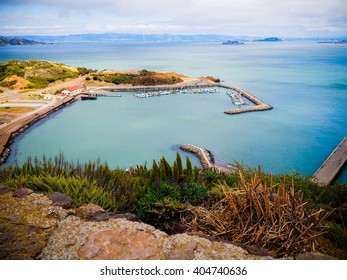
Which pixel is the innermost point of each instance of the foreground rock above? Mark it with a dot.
(39, 226)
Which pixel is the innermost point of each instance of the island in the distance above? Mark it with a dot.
(230, 42)
(270, 39)
(7, 41)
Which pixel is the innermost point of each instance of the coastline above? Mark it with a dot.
(19, 125)
(10, 131)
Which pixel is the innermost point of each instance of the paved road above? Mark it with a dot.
(12, 95)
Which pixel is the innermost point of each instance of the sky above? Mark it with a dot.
(286, 18)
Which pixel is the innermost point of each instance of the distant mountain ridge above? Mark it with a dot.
(135, 37)
(164, 37)
(5, 41)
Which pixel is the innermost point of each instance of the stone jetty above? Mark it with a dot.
(206, 159)
(259, 104)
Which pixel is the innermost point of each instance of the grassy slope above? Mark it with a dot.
(34, 74)
(37, 74)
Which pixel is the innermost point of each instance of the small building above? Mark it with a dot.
(73, 90)
(47, 97)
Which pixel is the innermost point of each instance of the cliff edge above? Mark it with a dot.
(49, 227)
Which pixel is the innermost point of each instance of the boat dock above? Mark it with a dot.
(201, 87)
(260, 105)
(332, 165)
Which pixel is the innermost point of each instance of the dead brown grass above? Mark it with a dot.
(16, 109)
(257, 214)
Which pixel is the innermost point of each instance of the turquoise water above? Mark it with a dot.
(305, 82)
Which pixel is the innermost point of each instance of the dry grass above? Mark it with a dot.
(16, 110)
(273, 217)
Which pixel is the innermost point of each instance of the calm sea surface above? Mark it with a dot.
(305, 82)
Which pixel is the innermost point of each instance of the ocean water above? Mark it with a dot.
(304, 81)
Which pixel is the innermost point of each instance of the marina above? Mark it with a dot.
(236, 98)
(273, 139)
(260, 105)
(181, 91)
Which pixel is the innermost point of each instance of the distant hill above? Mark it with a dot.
(270, 39)
(37, 74)
(5, 41)
(110, 37)
(34, 74)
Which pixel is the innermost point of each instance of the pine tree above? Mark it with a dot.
(189, 167)
(175, 172)
(163, 175)
(179, 164)
(196, 173)
(155, 172)
(168, 169)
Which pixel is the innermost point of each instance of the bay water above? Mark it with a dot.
(304, 81)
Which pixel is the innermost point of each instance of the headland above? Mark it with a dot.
(58, 99)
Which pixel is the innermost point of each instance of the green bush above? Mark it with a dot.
(80, 190)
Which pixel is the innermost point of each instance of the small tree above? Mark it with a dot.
(189, 167)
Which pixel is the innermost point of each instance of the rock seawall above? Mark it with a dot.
(207, 159)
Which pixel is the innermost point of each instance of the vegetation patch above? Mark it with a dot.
(254, 213)
(285, 214)
(16, 109)
(36, 74)
(140, 78)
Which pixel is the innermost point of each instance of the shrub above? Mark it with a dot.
(262, 215)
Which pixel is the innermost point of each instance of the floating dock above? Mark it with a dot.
(332, 165)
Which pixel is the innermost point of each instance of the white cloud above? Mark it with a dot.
(234, 17)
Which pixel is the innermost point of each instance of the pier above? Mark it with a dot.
(332, 165)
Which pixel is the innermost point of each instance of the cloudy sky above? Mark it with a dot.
(290, 18)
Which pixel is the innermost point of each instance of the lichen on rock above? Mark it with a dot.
(36, 226)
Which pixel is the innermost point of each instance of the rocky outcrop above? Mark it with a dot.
(47, 226)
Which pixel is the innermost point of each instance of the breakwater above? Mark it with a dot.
(260, 105)
(207, 159)
(18, 126)
(200, 84)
